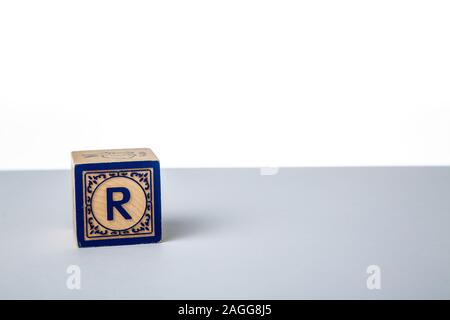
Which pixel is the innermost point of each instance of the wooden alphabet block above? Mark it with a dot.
(117, 197)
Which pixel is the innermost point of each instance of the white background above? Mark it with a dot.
(226, 83)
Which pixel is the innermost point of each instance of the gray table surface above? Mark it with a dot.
(302, 233)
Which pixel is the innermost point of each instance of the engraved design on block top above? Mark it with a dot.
(136, 219)
(115, 155)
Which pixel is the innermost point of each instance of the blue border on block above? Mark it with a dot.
(79, 206)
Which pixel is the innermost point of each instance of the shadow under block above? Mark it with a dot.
(117, 197)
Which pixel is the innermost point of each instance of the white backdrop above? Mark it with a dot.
(226, 83)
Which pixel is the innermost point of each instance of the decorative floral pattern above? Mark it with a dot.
(92, 179)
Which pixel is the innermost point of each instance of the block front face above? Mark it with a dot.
(117, 203)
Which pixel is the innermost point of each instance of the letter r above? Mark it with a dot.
(111, 203)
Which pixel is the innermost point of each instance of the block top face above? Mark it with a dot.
(113, 155)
